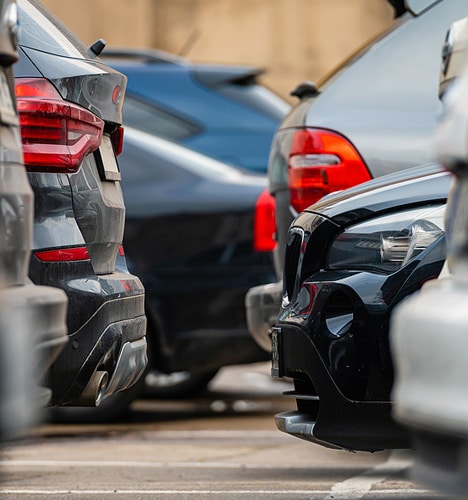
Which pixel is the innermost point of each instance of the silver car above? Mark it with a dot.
(32, 318)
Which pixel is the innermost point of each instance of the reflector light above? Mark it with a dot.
(321, 162)
(116, 94)
(265, 223)
(306, 298)
(117, 138)
(56, 134)
(63, 254)
(121, 251)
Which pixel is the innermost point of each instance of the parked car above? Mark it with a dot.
(349, 260)
(198, 233)
(70, 114)
(32, 318)
(374, 115)
(428, 331)
(222, 111)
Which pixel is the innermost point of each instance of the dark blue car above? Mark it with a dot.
(220, 111)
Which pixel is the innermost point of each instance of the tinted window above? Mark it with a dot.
(39, 30)
(170, 153)
(156, 121)
(257, 97)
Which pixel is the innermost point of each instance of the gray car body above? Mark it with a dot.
(384, 100)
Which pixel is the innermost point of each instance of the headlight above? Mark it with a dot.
(388, 242)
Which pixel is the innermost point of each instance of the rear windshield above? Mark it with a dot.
(145, 116)
(40, 30)
(257, 97)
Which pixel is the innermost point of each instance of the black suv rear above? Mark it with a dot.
(70, 115)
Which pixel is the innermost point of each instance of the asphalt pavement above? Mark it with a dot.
(221, 445)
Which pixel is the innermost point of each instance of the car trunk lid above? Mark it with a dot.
(84, 84)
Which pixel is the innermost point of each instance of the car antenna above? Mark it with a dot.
(305, 89)
(97, 47)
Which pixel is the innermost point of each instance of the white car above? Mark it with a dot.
(429, 331)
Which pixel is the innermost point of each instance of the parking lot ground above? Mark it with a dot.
(223, 445)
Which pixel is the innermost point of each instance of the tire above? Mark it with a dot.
(160, 385)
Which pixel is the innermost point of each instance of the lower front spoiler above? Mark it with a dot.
(339, 422)
(357, 427)
(300, 425)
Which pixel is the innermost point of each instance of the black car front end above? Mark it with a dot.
(349, 259)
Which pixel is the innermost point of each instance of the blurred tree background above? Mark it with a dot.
(293, 40)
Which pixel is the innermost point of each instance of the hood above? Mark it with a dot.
(419, 185)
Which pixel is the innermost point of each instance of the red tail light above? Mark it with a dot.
(63, 254)
(117, 138)
(321, 162)
(56, 134)
(265, 223)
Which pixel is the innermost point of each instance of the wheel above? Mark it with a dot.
(177, 384)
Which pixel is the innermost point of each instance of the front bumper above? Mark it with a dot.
(262, 305)
(333, 419)
(331, 338)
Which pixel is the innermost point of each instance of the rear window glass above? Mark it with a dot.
(156, 121)
(162, 151)
(257, 97)
(39, 30)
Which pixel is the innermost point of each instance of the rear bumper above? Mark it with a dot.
(44, 308)
(107, 352)
(206, 350)
(33, 332)
(262, 305)
(336, 421)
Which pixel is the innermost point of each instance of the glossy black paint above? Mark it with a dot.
(188, 235)
(106, 302)
(350, 369)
